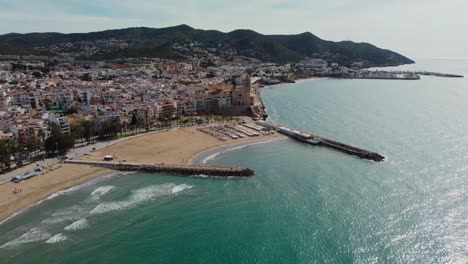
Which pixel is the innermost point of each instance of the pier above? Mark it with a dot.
(427, 73)
(181, 170)
(321, 141)
(439, 74)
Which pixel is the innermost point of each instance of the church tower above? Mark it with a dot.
(241, 91)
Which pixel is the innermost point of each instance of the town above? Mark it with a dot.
(49, 105)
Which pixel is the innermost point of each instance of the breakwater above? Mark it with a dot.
(439, 74)
(321, 141)
(361, 153)
(182, 170)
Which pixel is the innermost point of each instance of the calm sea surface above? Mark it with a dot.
(306, 204)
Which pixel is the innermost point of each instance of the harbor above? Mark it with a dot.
(321, 141)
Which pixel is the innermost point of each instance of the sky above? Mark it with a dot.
(415, 28)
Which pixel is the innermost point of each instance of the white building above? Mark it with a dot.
(61, 121)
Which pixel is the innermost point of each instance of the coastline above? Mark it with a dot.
(43, 187)
(93, 179)
(202, 157)
(297, 80)
(177, 146)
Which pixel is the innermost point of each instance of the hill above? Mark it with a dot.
(182, 41)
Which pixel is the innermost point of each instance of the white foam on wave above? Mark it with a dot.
(66, 215)
(210, 157)
(181, 187)
(77, 212)
(74, 188)
(139, 196)
(200, 176)
(57, 239)
(59, 193)
(236, 147)
(101, 191)
(34, 235)
(77, 225)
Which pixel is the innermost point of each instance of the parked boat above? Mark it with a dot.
(27, 175)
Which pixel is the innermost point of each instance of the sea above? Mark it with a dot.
(306, 204)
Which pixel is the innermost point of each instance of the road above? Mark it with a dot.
(72, 154)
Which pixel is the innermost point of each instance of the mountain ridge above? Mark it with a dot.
(148, 42)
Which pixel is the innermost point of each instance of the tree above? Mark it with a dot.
(47, 104)
(34, 144)
(110, 129)
(86, 77)
(68, 142)
(37, 74)
(134, 122)
(5, 155)
(19, 151)
(77, 130)
(58, 142)
(88, 129)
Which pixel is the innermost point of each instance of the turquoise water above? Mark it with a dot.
(306, 204)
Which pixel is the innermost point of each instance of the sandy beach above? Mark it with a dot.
(42, 186)
(177, 146)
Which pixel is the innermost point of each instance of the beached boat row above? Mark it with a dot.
(213, 133)
(27, 175)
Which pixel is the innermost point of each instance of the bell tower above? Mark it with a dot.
(241, 91)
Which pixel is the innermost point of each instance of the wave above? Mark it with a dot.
(76, 215)
(140, 196)
(88, 183)
(59, 193)
(210, 157)
(101, 191)
(57, 239)
(34, 235)
(68, 214)
(76, 212)
(181, 187)
(235, 147)
(77, 225)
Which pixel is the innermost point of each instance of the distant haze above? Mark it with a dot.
(416, 28)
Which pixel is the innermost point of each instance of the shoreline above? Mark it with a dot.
(96, 178)
(66, 178)
(31, 196)
(200, 158)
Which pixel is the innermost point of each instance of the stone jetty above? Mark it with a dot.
(181, 170)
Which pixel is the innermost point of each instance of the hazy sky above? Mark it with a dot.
(416, 28)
